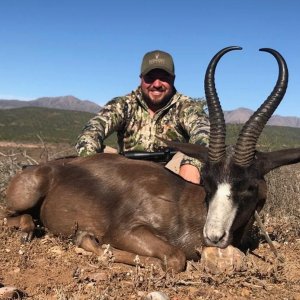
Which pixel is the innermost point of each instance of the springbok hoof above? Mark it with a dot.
(215, 260)
(26, 237)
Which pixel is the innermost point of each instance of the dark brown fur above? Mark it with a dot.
(136, 206)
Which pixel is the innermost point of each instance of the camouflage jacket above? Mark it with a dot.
(182, 119)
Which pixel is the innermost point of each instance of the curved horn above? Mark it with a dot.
(247, 139)
(217, 135)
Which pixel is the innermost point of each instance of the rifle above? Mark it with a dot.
(159, 156)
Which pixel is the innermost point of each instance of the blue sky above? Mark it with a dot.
(93, 49)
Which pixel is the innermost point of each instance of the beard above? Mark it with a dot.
(155, 104)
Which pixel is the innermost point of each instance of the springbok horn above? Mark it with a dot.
(216, 117)
(247, 139)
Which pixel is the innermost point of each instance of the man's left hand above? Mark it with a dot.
(190, 173)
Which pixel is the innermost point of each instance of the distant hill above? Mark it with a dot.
(241, 115)
(271, 138)
(63, 102)
(27, 124)
(237, 116)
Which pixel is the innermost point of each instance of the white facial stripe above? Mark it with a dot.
(221, 212)
(221, 205)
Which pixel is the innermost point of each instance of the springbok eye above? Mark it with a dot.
(251, 187)
(247, 191)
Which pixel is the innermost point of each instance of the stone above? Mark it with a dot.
(216, 260)
(10, 292)
(156, 296)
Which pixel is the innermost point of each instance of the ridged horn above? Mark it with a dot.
(247, 139)
(216, 150)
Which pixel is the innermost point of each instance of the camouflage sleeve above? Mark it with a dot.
(109, 119)
(194, 120)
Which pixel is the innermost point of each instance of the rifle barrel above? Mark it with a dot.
(159, 156)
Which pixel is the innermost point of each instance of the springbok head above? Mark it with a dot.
(233, 177)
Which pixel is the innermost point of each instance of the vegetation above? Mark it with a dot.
(27, 124)
(30, 124)
(272, 137)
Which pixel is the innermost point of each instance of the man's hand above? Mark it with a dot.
(190, 173)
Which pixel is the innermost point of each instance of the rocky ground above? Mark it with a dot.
(49, 268)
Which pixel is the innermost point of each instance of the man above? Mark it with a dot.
(154, 109)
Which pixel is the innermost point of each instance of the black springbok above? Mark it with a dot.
(141, 208)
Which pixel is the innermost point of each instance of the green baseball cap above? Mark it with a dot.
(157, 59)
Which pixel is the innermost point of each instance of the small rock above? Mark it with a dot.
(56, 250)
(81, 251)
(156, 296)
(101, 276)
(91, 284)
(141, 294)
(276, 244)
(10, 292)
(77, 272)
(215, 260)
(245, 293)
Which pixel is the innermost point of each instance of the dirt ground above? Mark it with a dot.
(49, 268)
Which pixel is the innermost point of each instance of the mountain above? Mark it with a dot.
(241, 115)
(237, 116)
(63, 102)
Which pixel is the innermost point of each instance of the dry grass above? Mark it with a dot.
(12, 159)
(284, 192)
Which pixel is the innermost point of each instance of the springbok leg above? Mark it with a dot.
(88, 242)
(142, 241)
(24, 223)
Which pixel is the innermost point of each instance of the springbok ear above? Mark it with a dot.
(199, 152)
(271, 160)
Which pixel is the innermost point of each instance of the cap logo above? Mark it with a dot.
(156, 60)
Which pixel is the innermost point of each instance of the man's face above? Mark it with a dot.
(157, 87)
